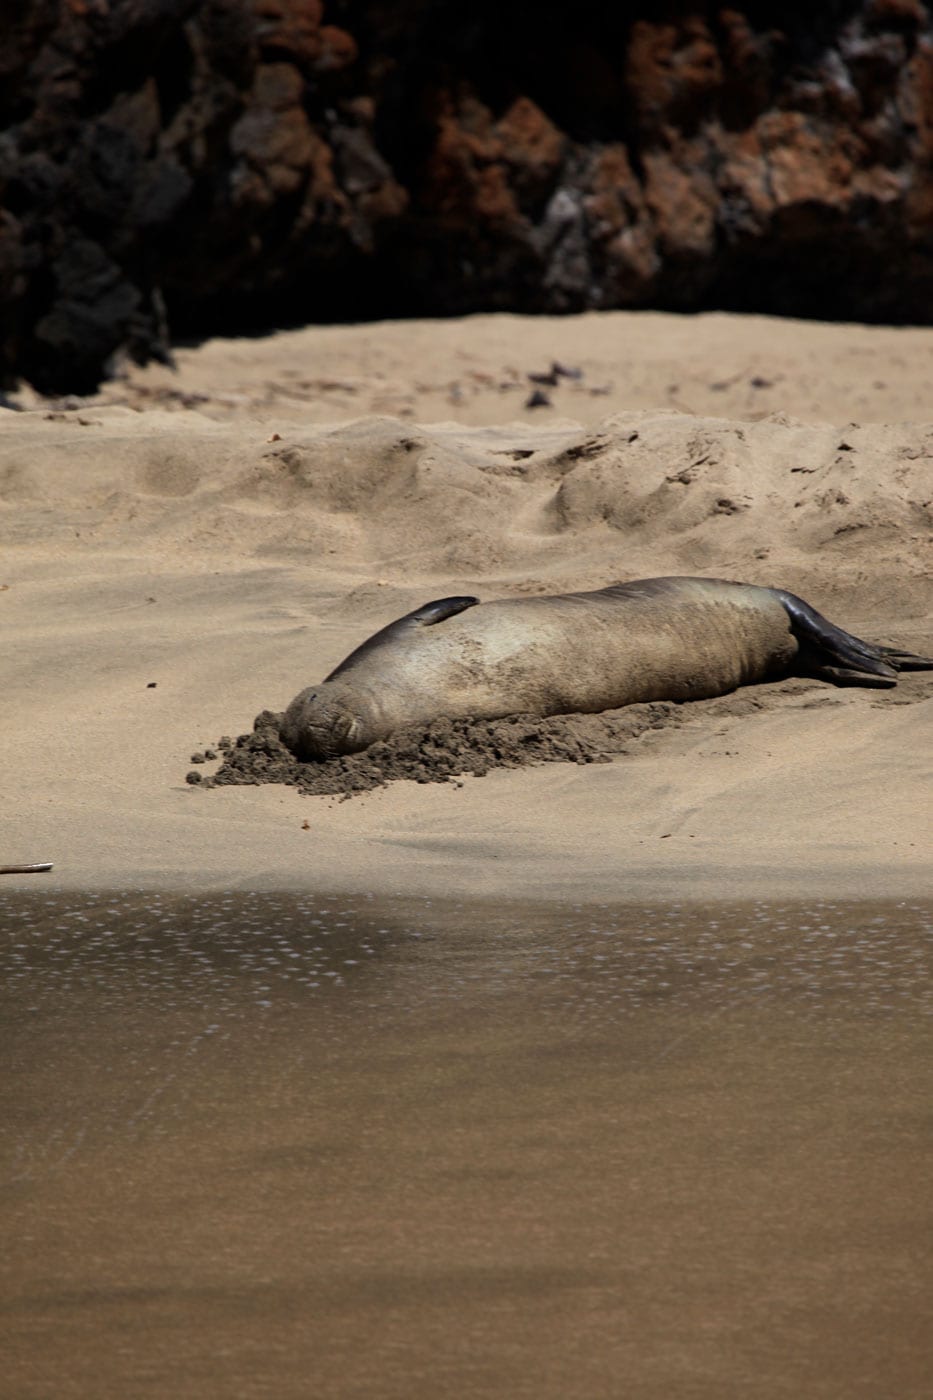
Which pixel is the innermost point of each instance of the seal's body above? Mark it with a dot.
(653, 639)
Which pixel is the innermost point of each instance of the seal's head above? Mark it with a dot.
(326, 720)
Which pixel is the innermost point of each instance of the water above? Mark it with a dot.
(284, 1146)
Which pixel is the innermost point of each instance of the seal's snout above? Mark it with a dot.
(318, 725)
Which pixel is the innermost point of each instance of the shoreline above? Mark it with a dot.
(696, 888)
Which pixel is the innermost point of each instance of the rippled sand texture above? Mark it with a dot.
(282, 1145)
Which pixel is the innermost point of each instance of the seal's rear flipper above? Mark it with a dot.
(906, 660)
(829, 652)
(845, 675)
(426, 616)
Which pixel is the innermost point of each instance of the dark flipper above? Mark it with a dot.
(427, 616)
(438, 611)
(829, 652)
(906, 660)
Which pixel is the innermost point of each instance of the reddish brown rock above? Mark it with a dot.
(206, 165)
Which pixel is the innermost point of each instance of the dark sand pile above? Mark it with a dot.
(435, 753)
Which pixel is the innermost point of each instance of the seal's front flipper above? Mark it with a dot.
(427, 616)
(829, 652)
(438, 611)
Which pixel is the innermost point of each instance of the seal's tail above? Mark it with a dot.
(829, 652)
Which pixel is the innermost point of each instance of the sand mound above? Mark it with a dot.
(391, 515)
(776, 501)
(435, 753)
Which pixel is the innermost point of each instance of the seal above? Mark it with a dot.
(652, 639)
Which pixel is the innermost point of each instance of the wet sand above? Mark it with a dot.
(287, 1145)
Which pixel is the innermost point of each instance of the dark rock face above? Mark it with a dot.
(210, 165)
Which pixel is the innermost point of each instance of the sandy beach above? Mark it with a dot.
(192, 546)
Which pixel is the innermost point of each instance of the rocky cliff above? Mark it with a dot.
(182, 167)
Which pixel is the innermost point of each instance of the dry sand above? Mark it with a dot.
(189, 548)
